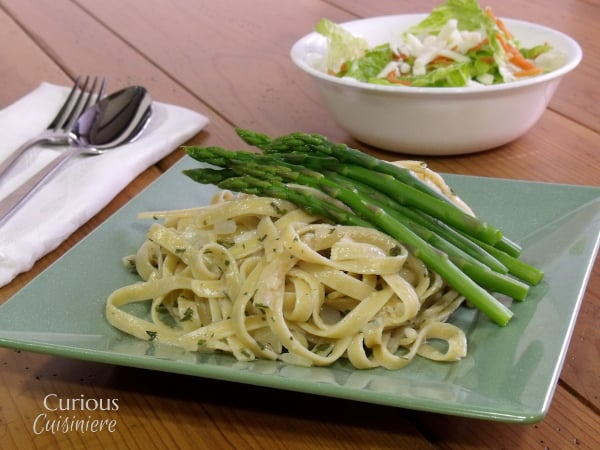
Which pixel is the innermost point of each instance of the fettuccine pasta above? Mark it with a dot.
(258, 277)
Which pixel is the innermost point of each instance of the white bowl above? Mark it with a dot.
(434, 121)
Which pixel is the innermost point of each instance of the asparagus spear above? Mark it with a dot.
(493, 257)
(459, 240)
(404, 194)
(287, 160)
(434, 259)
(318, 144)
(258, 165)
(229, 179)
(516, 267)
(303, 143)
(277, 172)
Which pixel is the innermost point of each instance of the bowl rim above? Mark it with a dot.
(575, 56)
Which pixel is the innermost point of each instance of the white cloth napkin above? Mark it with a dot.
(84, 185)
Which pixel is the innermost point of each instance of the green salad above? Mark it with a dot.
(457, 44)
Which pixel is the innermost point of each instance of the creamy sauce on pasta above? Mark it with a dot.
(258, 277)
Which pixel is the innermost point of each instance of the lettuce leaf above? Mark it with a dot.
(534, 52)
(470, 17)
(454, 75)
(343, 45)
(350, 55)
(468, 13)
(370, 65)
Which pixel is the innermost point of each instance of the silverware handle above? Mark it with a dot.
(13, 201)
(8, 162)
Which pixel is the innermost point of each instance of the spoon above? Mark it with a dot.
(114, 120)
(117, 119)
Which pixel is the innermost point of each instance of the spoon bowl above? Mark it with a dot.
(116, 119)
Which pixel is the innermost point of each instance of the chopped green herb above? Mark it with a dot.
(224, 243)
(396, 250)
(151, 334)
(129, 263)
(187, 315)
(277, 209)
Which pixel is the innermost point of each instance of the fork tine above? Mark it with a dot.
(59, 118)
(102, 90)
(80, 108)
(95, 98)
(69, 119)
(85, 104)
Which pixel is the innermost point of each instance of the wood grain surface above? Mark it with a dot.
(230, 61)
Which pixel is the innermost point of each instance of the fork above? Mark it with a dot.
(60, 129)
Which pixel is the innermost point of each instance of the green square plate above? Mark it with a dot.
(509, 374)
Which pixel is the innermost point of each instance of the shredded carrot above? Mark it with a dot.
(505, 45)
(487, 59)
(393, 78)
(529, 72)
(479, 46)
(520, 61)
(514, 55)
(441, 60)
(499, 23)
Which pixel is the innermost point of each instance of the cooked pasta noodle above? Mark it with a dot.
(258, 277)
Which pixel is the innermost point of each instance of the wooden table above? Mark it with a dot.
(229, 60)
